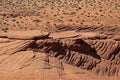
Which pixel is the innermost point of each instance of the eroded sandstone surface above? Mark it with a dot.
(67, 55)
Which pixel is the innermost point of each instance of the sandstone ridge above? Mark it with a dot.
(54, 55)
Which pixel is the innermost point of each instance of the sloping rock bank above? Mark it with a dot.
(42, 52)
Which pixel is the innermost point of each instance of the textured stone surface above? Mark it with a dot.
(29, 34)
(45, 58)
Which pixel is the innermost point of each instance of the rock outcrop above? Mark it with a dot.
(46, 53)
(25, 35)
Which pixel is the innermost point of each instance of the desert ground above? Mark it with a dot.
(59, 39)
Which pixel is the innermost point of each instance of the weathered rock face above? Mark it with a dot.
(95, 53)
(15, 46)
(75, 52)
(25, 63)
(89, 54)
(25, 35)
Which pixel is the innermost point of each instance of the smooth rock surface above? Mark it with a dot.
(25, 35)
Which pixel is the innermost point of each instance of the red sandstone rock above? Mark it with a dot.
(101, 57)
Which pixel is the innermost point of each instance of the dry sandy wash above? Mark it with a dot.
(66, 55)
